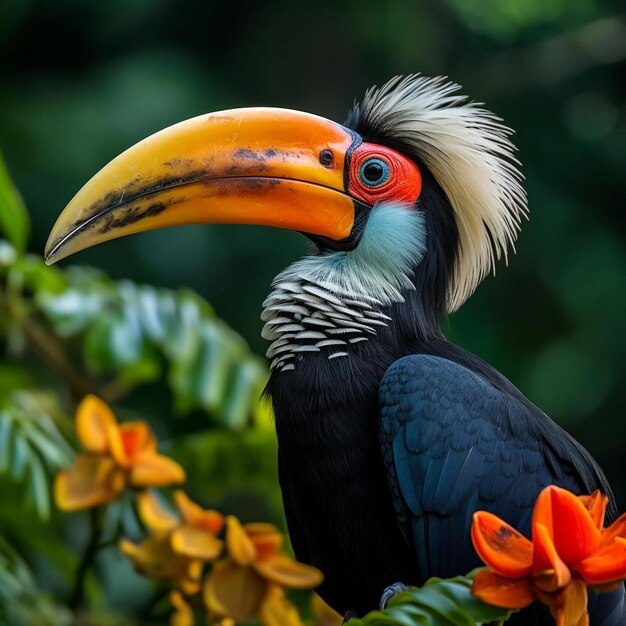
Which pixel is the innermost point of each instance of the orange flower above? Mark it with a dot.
(570, 549)
(249, 581)
(177, 548)
(116, 456)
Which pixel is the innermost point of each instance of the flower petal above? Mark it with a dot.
(92, 480)
(284, 571)
(596, 504)
(616, 529)
(187, 507)
(153, 515)
(195, 543)
(211, 521)
(190, 582)
(569, 607)
(193, 514)
(233, 591)
(501, 591)
(148, 555)
(276, 610)
(606, 566)
(568, 522)
(549, 571)
(155, 558)
(155, 470)
(266, 538)
(137, 437)
(240, 548)
(182, 615)
(94, 422)
(189, 586)
(500, 546)
(324, 614)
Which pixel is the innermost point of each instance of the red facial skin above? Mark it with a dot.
(404, 183)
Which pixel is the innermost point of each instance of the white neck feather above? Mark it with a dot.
(329, 302)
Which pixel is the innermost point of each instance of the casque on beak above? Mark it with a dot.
(266, 166)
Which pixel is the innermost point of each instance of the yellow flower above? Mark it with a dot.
(323, 614)
(195, 535)
(248, 583)
(116, 456)
(177, 547)
(155, 559)
(182, 614)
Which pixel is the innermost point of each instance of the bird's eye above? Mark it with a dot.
(374, 172)
(380, 174)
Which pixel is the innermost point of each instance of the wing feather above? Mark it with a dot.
(454, 443)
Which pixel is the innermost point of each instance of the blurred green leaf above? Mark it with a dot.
(32, 446)
(220, 463)
(14, 221)
(22, 603)
(440, 602)
(130, 332)
(30, 274)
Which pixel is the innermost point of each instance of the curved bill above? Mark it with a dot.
(272, 167)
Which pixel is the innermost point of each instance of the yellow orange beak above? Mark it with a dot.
(272, 167)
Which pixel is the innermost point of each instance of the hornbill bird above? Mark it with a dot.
(390, 437)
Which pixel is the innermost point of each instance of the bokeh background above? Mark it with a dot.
(81, 81)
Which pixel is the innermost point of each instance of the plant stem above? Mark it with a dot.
(114, 390)
(42, 341)
(52, 351)
(93, 545)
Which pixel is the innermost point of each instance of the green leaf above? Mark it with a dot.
(14, 221)
(22, 603)
(30, 273)
(438, 603)
(39, 488)
(132, 333)
(32, 448)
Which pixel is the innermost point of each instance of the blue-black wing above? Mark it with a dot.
(456, 441)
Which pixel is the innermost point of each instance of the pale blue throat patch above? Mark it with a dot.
(328, 302)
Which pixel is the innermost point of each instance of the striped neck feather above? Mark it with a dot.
(331, 301)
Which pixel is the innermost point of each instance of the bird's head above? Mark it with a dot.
(418, 192)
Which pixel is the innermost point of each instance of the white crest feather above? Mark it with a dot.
(468, 151)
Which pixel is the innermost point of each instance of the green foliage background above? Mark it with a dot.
(82, 81)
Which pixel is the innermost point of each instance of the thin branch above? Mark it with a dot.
(52, 351)
(114, 390)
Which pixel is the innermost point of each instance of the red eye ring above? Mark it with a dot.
(391, 176)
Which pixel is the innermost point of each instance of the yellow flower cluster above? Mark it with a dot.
(238, 577)
(248, 574)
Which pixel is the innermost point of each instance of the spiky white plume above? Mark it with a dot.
(468, 152)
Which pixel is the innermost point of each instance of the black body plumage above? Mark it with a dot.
(384, 456)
